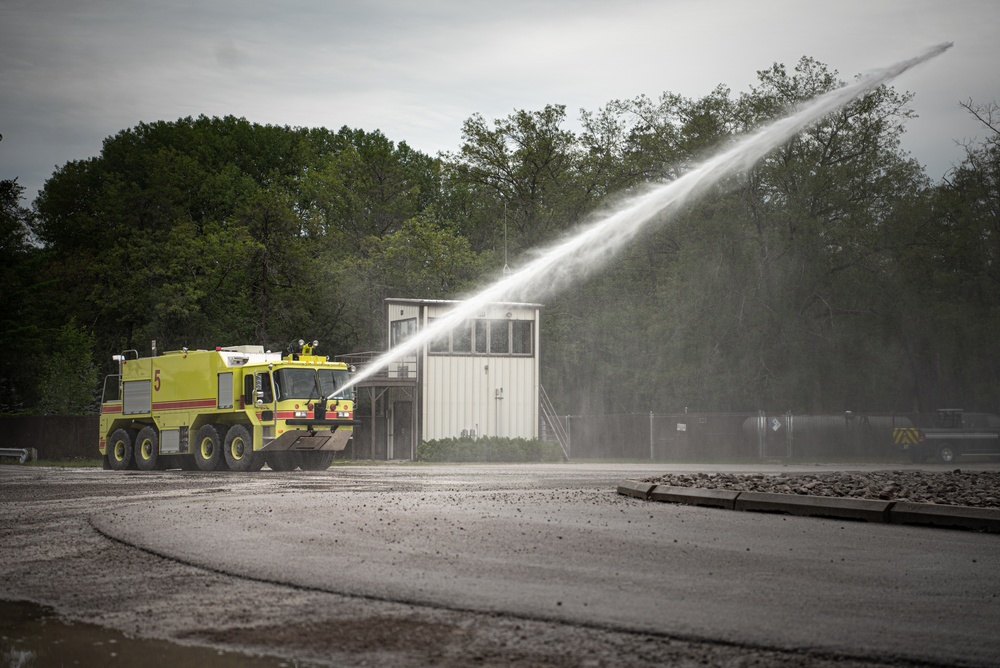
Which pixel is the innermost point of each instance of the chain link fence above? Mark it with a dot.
(708, 437)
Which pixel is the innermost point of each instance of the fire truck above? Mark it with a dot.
(233, 408)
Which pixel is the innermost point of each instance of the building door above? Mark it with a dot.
(402, 429)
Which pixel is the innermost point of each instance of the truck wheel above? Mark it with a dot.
(208, 448)
(147, 449)
(119, 449)
(316, 461)
(238, 450)
(946, 454)
(282, 461)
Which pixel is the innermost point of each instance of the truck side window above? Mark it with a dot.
(249, 391)
(264, 381)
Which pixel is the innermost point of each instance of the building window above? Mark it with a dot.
(440, 343)
(499, 337)
(521, 340)
(401, 330)
(487, 337)
(461, 338)
(482, 336)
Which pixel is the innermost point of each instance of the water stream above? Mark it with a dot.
(590, 247)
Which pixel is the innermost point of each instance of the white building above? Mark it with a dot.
(481, 379)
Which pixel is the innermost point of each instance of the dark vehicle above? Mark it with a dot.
(955, 434)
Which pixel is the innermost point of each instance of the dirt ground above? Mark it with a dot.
(51, 554)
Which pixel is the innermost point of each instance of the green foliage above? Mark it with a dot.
(830, 276)
(20, 328)
(488, 449)
(68, 381)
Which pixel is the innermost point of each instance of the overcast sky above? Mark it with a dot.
(73, 72)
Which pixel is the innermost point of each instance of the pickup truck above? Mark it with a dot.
(955, 433)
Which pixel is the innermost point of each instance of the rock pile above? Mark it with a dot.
(958, 488)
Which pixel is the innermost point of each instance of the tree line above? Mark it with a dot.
(833, 275)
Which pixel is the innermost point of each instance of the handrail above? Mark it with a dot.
(549, 413)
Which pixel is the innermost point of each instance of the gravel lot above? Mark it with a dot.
(980, 489)
(50, 554)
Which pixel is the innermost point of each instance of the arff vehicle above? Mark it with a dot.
(955, 433)
(237, 408)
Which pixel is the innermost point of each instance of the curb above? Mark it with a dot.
(695, 496)
(930, 514)
(867, 510)
(634, 488)
(815, 506)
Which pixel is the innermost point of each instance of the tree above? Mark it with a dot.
(367, 186)
(68, 382)
(18, 329)
(425, 258)
(522, 169)
(948, 264)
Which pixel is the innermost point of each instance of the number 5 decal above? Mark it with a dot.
(156, 380)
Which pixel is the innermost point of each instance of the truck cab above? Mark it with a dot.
(956, 433)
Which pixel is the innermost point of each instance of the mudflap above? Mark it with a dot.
(310, 440)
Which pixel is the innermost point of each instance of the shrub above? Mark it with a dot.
(488, 449)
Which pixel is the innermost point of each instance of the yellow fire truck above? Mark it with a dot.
(235, 408)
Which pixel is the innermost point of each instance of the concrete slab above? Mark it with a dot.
(695, 496)
(815, 506)
(966, 517)
(639, 490)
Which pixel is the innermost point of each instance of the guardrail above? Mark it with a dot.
(22, 454)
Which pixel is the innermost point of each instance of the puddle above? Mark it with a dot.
(32, 636)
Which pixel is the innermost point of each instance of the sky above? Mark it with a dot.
(74, 72)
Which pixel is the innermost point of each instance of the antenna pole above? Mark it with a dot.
(506, 269)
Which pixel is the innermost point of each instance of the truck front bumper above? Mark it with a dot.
(317, 435)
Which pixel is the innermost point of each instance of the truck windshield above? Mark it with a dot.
(332, 380)
(295, 384)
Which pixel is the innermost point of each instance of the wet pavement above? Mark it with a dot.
(34, 636)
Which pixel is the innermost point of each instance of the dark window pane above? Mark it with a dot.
(440, 343)
(400, 330)
(521, 339)
(482, 340)
(461, 338)
(499, 337)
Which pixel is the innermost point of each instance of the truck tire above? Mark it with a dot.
(946, 453)
(147, 449)
(282, 461)
(120, 449)
(238, 450)
(316, 461)
(208, 448)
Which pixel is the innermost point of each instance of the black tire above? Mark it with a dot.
(946, 453)
(147, 449)
(283, 461)
(238, 450)
(120, 449)
(208, 448)
(316, 461)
